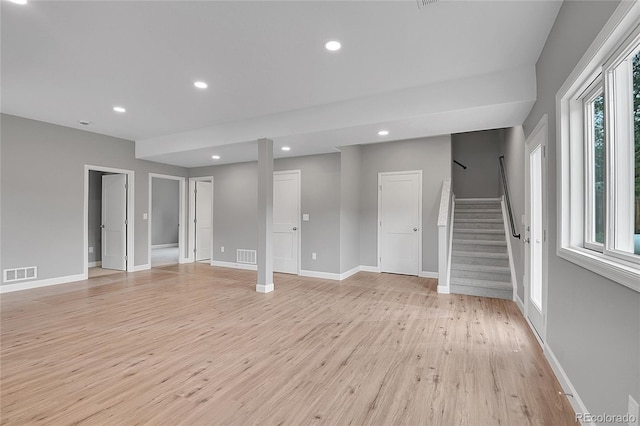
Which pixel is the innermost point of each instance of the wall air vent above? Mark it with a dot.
(20, 274)
(246, 256)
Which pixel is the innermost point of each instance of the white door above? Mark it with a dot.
(400, 220)
(203, 219)
(534, 232)
(114, 222)
(286, 216)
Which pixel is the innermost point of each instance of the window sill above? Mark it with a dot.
(616, 270)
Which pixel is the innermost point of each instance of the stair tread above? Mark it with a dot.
(479, 254)
(467, 220)
(492, 211)
(479, 268)
(480, 242)
(477, 231)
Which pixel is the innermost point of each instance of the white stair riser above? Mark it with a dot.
(481, 275)
(464, 215)
(480, 248)
(478, 261)
(477, 225)
(474, 236)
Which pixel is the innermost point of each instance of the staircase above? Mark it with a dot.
(479, 257)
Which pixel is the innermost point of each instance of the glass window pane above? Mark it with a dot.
(598, 169)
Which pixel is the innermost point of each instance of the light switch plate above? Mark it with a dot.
(221, 249)
(90, 249)
(305, 217)
(145, 216)
(313, 256)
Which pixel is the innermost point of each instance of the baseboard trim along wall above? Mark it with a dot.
(95, 264)
(519, 302)
(42, 283)
(428, 274)
(159, 246)
(322, 275)
(234, 265)
(138, 268)
(364, 268)
(444, 289)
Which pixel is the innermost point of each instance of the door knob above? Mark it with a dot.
(415, 229)
(295, 228)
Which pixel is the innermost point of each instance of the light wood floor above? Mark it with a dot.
(196, 345)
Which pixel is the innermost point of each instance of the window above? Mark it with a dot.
(599, 153)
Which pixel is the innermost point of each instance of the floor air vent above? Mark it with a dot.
(20, 274)
(246, 256)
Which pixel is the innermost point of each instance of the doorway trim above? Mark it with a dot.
(190, 258)
(541, 129)
(130, 215)
(181, 209)
(379, 250)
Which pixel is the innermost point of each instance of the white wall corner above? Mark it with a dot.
(8, 288)
(519, 302)
(261, 288)
(567, 387)
(444, 289)
(349, 273)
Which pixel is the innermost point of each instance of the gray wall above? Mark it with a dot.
(513, 150)
(235, 208)
(593, 324)
(95, 215)
(433, 157)
(350, 180)
(165, 208)
(43, 191)
(479, 151)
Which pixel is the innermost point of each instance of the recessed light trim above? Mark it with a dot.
(201, 84)
(286, 148)
(333, 45)
(215, 157)
(119, 109)
(383, 132)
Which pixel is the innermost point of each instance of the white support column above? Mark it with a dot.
(265, 216)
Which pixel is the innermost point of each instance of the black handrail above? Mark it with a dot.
(460, 164)
(505, 187)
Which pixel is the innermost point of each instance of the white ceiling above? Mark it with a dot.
(448, 67)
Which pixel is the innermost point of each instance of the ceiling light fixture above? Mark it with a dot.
(21, 2)
(119, 109)
(215, 157)
(201, 84)
(383, 132)
(286, 148)
(332, 45)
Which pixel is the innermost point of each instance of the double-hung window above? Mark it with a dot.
(599, 154)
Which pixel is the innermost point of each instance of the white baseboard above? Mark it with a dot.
(428, 274)
(260, 288)
(350, 272)
(364, 268)
(444, 289)
(159, 246)
(575, 400)
(41, 283)
(322, 275)
(234, 265)
(95, 264)
(138, 268)
(519, 302)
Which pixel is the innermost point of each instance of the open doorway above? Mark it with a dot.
(166, 216)
(108, 230)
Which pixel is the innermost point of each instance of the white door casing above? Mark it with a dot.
(203, 220)
(535, 230)
(400, 222)
(286, 221)
(114, 222)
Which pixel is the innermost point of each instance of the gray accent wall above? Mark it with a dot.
(513, 150)
(432, 156)
(593, 325)
(350, 181)
(479, 151)
(165, 211)
(43, 193)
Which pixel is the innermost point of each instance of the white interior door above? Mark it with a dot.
(203, 219)
(534, 233)
(114, 222)
(400, 220)
(286, 216)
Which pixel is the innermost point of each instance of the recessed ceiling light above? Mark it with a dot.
(119, 109)
(332, 45)
(383, 132)
(215, 157)
(286, 148)
(18, 1)
(201, 84)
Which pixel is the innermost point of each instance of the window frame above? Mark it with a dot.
(617, 35)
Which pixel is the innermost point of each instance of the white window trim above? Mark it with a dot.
(570, 152)
(595, 91)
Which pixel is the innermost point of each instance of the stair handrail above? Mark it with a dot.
(505, 188)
